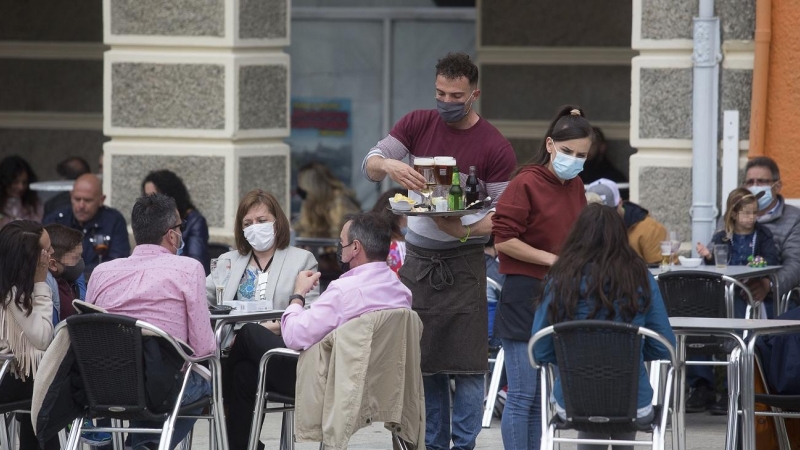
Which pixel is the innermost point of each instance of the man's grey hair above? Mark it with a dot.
(373, 232)
(152, 216)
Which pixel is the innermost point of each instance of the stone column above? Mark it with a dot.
(661, 100)
(199, 87)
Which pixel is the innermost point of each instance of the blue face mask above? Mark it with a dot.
(403, 230)
(183, 244)
(766, 199)
(567, 167)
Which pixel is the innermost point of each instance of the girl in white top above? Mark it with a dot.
(26, 316)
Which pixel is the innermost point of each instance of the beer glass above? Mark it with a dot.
(666, 255)
(100, 243)
(426, 168)
(444, 173)
(220, 272)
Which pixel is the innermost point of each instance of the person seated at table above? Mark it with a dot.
(264, 265)
(399, 224)
(367, 284)
(599, 277)
(644, 232)
(66, 265)
(743, 237)
(96, 221)
(159, 287)
(17, 200)
(196, 234)
(26, 315)
(68, 169)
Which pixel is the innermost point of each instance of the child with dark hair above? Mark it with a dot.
(66, 265)
(17, 200)
(598, 276)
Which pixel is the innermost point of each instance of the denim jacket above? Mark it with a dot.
(655, 318)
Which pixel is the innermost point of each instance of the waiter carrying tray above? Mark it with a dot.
(444, 267)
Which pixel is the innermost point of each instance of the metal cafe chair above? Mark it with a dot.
(497, 371)
(108, 351)
(697, 293)
(598, 362)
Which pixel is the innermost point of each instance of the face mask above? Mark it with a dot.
(345, 266)
(261, 236)
(403, 230)
(766, 199)
(72, 273)
(179, 250)
(452, 112)
(302, 193)
(567, 167)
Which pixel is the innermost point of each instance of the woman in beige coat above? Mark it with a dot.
(26, 316)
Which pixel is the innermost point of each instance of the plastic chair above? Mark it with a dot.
(598, 364)
(497, 370)
(109, 354)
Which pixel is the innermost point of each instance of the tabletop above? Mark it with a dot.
(253, 316)
(705, 323)
(737, 272)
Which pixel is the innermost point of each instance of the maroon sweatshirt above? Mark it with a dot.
(539, 210)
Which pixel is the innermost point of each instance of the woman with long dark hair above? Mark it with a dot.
(17, 200)
(195, 237)
(599, 276)
(532, 220)
(26, 316)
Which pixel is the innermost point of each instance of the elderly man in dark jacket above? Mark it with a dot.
(762, 175)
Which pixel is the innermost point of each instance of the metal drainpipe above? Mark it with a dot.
(705, 99)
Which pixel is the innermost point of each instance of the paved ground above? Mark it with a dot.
(704, 432)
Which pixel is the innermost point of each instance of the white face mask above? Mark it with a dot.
(261, 236)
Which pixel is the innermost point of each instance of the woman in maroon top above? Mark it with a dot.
(534, 216)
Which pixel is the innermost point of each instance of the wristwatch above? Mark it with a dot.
(298, 297)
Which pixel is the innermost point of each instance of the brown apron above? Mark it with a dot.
(448, 289)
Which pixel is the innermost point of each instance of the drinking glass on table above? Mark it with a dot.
(721, 256)
(100, 243)
(425, 167)
(220, 272)
(676, 246)
(666, 255)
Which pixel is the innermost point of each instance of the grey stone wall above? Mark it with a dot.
(668, 20)
(51, 85)
(147, 95)
(534, 92)
(665, 104)
(667, 193)
(174, 18)
(204, 178)
(548, 23)
(735, 91)
(264, 172)
(737, 18)
(263, 19)
(262, 97)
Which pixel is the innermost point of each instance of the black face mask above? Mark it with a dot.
(72, 273)
(345, 266)
(302, 193)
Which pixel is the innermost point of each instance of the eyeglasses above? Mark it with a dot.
(182, 226)
(758, 182)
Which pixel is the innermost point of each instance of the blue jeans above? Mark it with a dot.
(521, 426)
(196, 388)
(467, 411)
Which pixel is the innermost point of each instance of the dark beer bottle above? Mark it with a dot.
(455, 198)
(471, 192)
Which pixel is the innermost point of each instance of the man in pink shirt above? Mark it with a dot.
(157, 286)
(367, 284)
